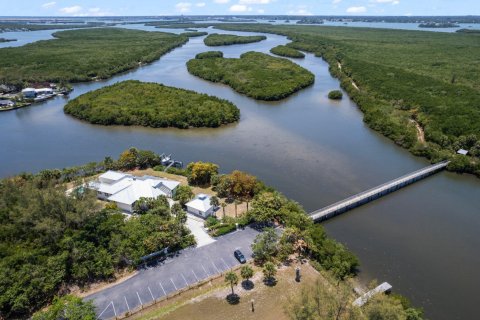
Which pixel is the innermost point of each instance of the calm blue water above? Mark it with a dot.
(422, 239)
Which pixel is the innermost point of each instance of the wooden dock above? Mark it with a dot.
(375, 193)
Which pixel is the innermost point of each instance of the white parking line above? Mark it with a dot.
(164, 293)
(205, 270)
(114, 311)
(215, 267)
(226, 265)
(195, 275)
(104, 309)
(141, 303)
(151, 293)
(173, 284)
(126, 302)
(184, 279)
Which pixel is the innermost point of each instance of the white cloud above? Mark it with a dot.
(336, 1)
(386, 1)
(395, 2)
(49, 4)
(200, 4)
(301, 10)
(356, 10)
(254, 1)
(183, 6)
(71, 10)
(240, 8)
(222, 1)
(261, 11)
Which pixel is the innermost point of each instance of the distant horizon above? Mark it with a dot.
(242, 16)
(143, 8)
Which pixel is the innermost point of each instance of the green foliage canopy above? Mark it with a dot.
(151, 105)
(257, 75)
(216, 39)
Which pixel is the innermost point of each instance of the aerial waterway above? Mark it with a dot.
(422, 240)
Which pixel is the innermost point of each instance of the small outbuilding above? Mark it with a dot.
(462, 152)
(200, 206)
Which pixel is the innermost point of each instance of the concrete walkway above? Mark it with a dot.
(196, 226)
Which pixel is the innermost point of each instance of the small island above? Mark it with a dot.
(335, 95)
(209, 54)
(192, 34)
(438, 25)
(7, 40)
(216, 39)
(468, 31)
(285, 51)
(257, 75)
(151, 105)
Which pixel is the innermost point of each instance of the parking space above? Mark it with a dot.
(187, 268)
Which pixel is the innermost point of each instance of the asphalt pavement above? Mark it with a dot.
(188, 267)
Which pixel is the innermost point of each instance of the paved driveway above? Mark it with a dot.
(196, 227)
(188, 267)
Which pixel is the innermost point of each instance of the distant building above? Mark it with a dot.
(29, 93)
(125, 189)
(6, 103)
(44, 91)
(463, 152)
(200, 206)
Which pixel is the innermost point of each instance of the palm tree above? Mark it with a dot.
(246, 272)
(223, 204)
(232, 279)
(237, 202)
(269, 272)
(214, 201)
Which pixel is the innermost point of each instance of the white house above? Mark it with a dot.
(29, 93)
(125, 189)
(200, 206)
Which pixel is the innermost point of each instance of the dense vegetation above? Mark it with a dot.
(68, 307)
(255, 74)
(285, 51)
(6, 27)
(50, 240)
(191, 34)
(216, 39)
(152, 105)
(468, 30)
(83, 55)
(335, 95)
(396, 76)
(209, 54)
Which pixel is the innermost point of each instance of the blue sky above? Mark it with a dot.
(237, 7)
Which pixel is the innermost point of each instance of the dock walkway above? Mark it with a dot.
(375, 193)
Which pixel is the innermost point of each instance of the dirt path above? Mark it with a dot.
(353, 82)
(420, 133)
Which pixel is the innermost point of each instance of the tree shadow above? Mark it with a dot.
(271, 282)
(247, 285)
(233, 298)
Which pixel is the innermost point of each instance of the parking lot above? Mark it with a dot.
(188, 267)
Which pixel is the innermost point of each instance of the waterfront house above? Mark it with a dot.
(462, 152)
(125, 189)
(200, 206)
(6, 103)
(29, 93)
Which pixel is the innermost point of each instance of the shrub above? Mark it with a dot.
(335, 95)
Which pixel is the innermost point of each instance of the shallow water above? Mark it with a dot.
(422, 239)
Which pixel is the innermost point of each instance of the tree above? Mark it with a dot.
(335, 95)
(147, 159)
(246, 272)
(223, 204)
(200, 173)
(269, 271)
(183, 194)
(266, 206)
(236, 202)
(214, 201)
(176, 209)
(67, 307)
(265, 245)
(232, 279)
(128, 159)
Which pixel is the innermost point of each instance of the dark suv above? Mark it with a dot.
(239, 255)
